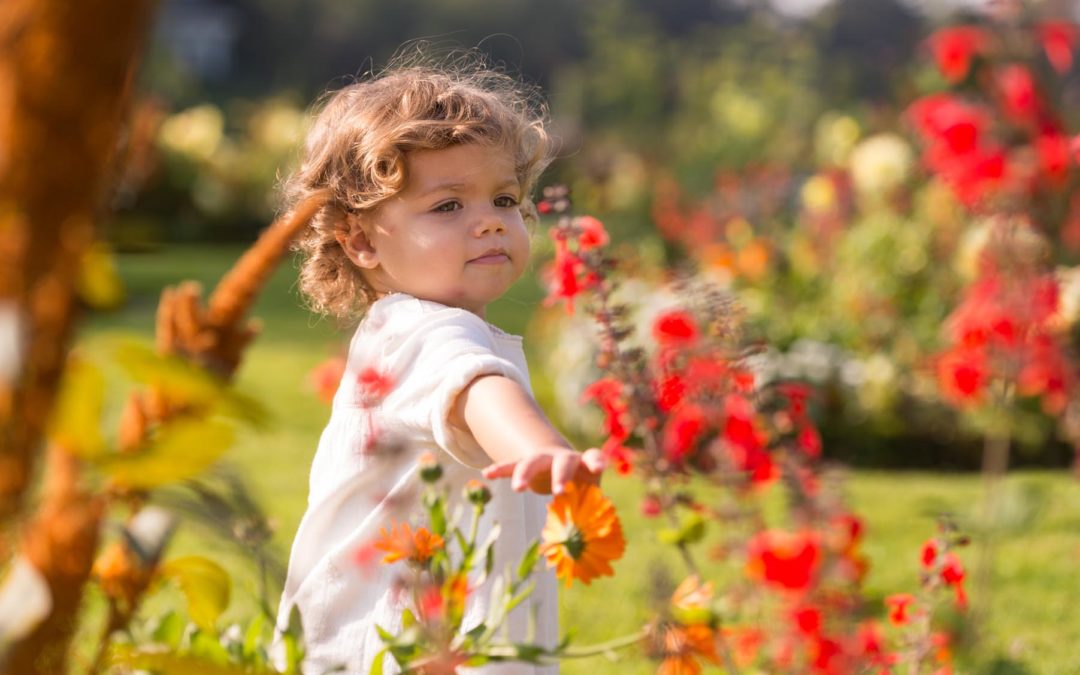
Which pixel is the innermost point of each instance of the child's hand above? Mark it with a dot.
(548, 472)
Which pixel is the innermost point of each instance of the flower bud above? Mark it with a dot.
(477, 492)
(651, 506)
(430, 469)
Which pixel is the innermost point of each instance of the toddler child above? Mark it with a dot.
(423, 175)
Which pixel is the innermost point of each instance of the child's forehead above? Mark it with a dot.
(460, 164)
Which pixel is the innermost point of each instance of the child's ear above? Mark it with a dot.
(356, 244)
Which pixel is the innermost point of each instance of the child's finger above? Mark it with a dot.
(526, 469)
(503, 470)
(594, 460)
(563, 468)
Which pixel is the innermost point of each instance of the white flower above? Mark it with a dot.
(880, 164)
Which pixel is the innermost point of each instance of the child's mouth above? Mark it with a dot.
(494, 258)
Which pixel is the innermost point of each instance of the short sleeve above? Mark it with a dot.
(433, 352)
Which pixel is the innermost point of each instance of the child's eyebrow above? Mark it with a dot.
(456, 186)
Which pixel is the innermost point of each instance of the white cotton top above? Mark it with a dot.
(432, 352)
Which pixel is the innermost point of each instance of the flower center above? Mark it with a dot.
(574, 542)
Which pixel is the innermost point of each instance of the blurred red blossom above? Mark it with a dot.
(325, 377)
(675, 328)
(1058, 40)
(785, 560)
(954, 48)
(898, 604)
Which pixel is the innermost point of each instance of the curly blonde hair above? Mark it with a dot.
(354, 157)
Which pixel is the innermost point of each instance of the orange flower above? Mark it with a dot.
(400, 542)
(682, 646)
(582, 534)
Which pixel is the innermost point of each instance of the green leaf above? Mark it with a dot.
(205, 585)
(253, 635)
(408, 619)
(75, 424)
(183, 449)
(170, 629)
(528, 561)
(524, 593)
(692, 529)
(377, 662)
(386, 635)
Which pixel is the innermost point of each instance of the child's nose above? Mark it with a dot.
(490, 223)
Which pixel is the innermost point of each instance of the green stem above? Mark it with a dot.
(501, 651)
(477, 511)
(994, 466)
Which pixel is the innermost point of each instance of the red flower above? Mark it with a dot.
(807, 620)
(797, 394)
(675, 328)
(1058, 40)
(870, 645)
(787, 561)
(744, 441)
(683, 430)
(618, 456)
(593, 235)
(809, 441)
(563, 283)
(607, 393)
(1019, 94)
(945, 120)
(670, 390)
(952, 573)
(373, 385)
(1053, 150)
(953, 49)
(963, 374)
(898, 608)
(929, 553)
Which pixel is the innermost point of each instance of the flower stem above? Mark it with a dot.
(995, 463)
(509, 651)
(477, 512)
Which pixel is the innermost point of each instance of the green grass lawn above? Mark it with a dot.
(1033, 625)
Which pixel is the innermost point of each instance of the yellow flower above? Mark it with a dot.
(400, 542)
(582, 535)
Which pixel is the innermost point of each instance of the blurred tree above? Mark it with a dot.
(866, 44)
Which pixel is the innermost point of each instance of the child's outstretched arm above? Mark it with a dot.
(508, 424)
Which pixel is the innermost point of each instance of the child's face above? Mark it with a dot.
(455, 234)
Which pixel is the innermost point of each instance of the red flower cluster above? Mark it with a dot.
(954, 48)
(1002, 329)
(948, 567)
(607, 394)
(1006, 138)
(783, 560)
(959, 148)
(570, 274)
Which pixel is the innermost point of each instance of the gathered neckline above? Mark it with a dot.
(496, 331)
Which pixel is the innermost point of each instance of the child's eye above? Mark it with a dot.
(505, 202)
(447, 207)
